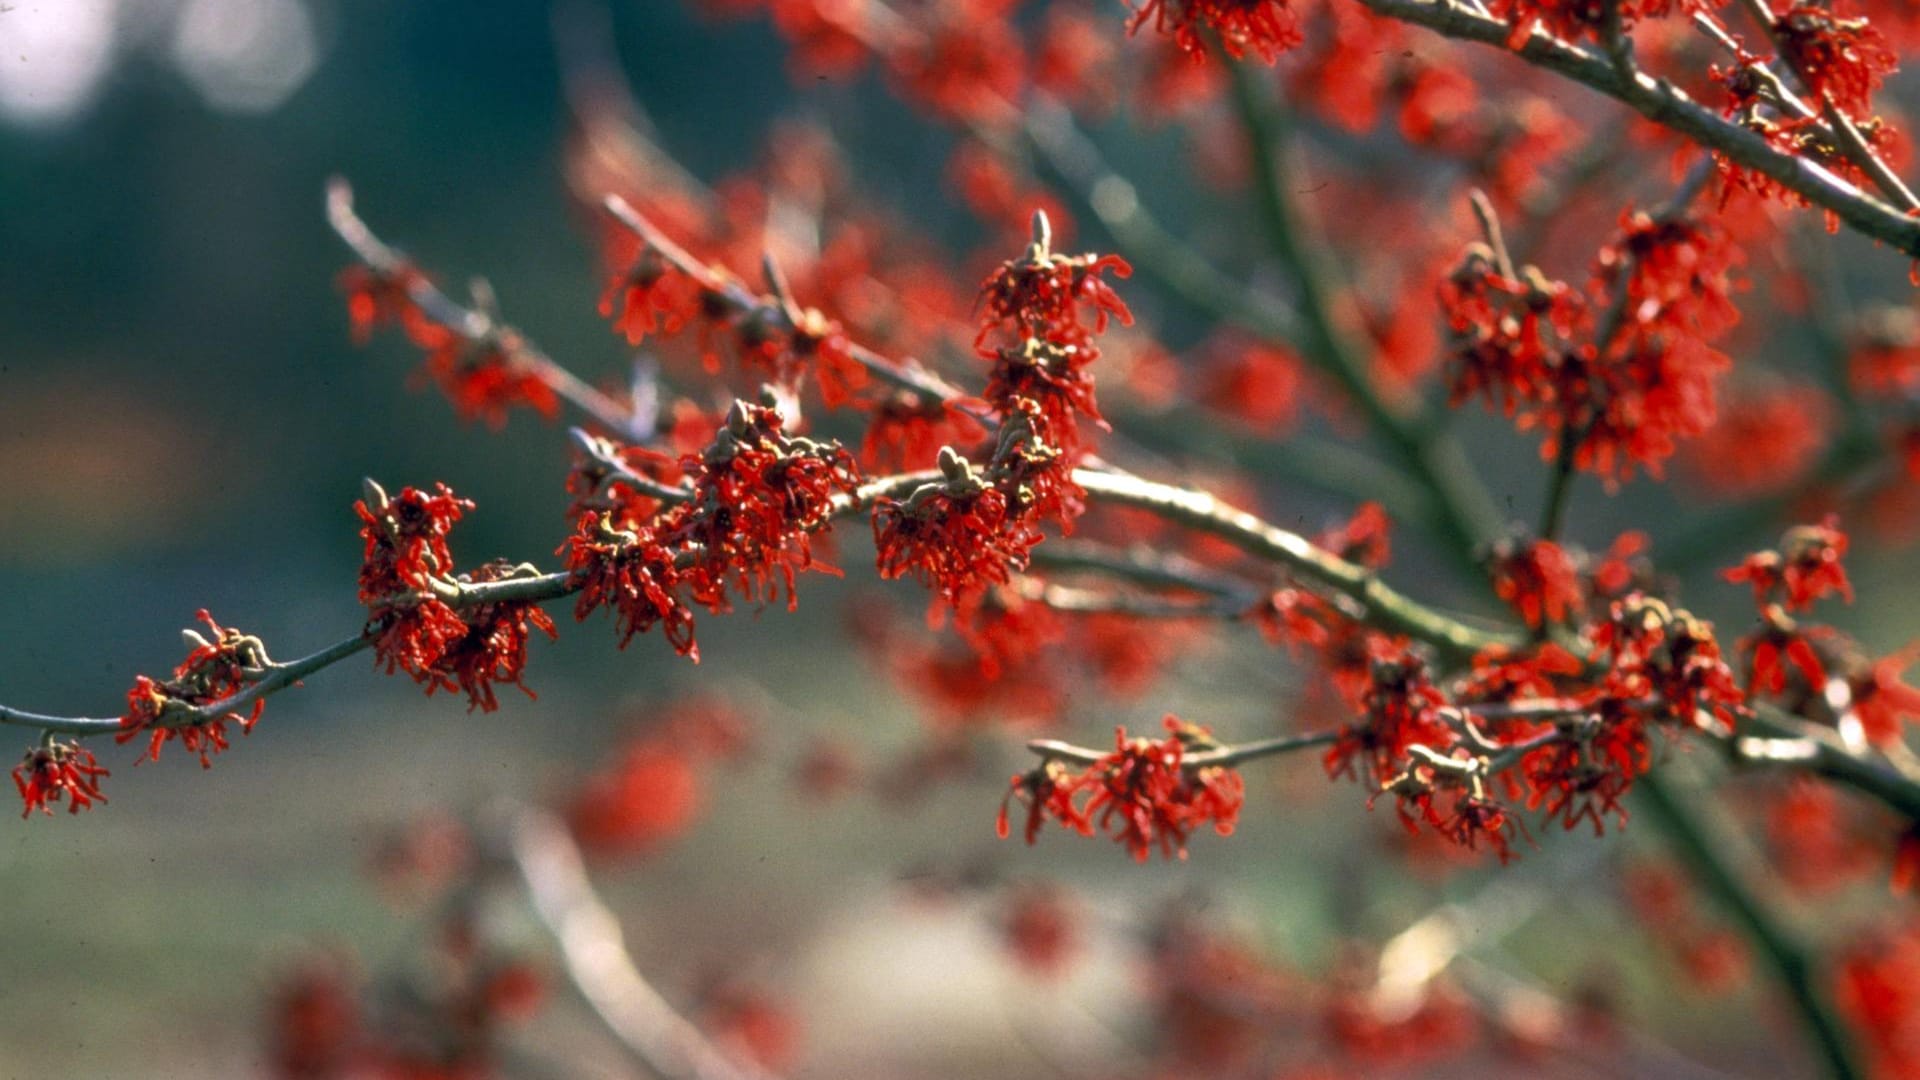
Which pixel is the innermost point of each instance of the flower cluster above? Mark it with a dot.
(484, 369)
(410, 589)
(1145, 793)
(975, 526)
(1266, 28)
(1837, 59)
(1040, 314)
(1805, 568)
(752, 500)
(1539, 580)
(54, 771)
(660, 292)
(955, 536)
(758, 495)
(1576, 19)
(1614, 392)
(188, 707)
(651, 297)
(322, 1023)
(1663, 659)
(634, 574)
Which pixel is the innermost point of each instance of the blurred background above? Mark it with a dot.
(184, 424)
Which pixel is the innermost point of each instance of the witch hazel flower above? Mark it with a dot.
(492, 645)
(58, 771)
(1448, 793)
(1665, 660)
(480, 366)
(1146, 793)
(406, 577)
(405, 539)
(1615, 375)
(958, 536)
(1063, 299)
(1573, 20)
(650, 298)
(1803, 569)
(1265, 28)
(758, 495)
(1882, 698)
(213, 672)
(633, 574)
(1839, 59)
(1401, 708)
(1538, 579)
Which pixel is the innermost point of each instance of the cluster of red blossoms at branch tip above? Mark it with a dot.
(1616, 374)
(1144, 793)
(973, 528)
(54, 771)
(483, 373)
(406, 583)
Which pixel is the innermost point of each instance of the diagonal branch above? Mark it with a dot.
(1667, 105)
(470, 324)
(664, 1043)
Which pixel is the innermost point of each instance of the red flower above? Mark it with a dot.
(958, 537)
(1583, 776)
(1878, 990)
(759, 494)
(1574, 19)
(412, 633)
(375, 299)
(1652, 651)
(54, 771)
(1048, 790)
(1259, 385)
(484, 378)
(822, 344)
(596, 485)
(1771, 648)
(753, 1025)
(1037, 926)
(492, 647)
(650, 297)
(315, 1021)
(1061, 299)
(1844, 59)
(905, 431)
(1401, 708)
(213, 672)
(1806, 568)
(1678, 274)
(482, 375)
(1764, 440)
(1507, 334)
(405, 539)
(1363, 539)
(1266, 27)
(1882, 699)
(966, 63)
(1143, 792)
(1539, 580)
(635, 575)
(648, 795)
